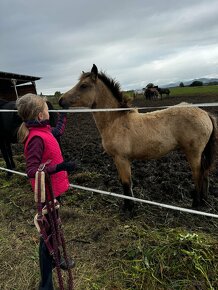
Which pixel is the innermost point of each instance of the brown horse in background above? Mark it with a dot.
(128, 135)
(163, 91)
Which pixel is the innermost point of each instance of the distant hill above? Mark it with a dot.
(187, 83)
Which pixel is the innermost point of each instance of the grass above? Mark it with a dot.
(194, 91)
(172, 260)
(112, 253)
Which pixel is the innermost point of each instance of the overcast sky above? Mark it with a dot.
(135, 42)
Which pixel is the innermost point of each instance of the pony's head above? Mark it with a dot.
(86, 91)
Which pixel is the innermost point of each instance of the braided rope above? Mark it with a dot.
(57, 235)
(43, 182)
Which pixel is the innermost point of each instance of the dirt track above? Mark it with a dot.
(166, 180)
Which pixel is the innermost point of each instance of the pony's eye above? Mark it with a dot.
(83, 86)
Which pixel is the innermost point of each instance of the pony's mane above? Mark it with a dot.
(113, 86)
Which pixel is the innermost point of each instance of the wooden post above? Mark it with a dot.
(14, 82)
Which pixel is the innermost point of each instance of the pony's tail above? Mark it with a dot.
(208, 157)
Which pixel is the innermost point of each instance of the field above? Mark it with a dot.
(204, 91)
(157, 249)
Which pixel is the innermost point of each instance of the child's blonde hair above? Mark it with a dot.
(29, 106)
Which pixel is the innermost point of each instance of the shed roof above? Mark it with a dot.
(20, 79)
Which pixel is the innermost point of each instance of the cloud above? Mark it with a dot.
(136, 42)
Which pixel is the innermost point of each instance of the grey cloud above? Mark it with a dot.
(134, 41)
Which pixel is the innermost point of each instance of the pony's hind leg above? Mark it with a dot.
(124, 170)
(204, 183)
(201, 181)
(204, 188)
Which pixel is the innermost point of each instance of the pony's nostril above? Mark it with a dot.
(63, 103)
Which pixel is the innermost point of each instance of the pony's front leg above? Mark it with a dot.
(10, 155)
(124, 170)
(6, 156)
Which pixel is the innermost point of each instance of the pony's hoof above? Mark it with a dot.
(127, 215)
(198, 205)
(9, 175)
(128, 211)
(128, 206)
(195, 204)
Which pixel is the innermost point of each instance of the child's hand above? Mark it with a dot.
(66, 166)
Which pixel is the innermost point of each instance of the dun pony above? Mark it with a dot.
(128, 135)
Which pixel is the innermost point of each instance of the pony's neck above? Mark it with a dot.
(104, 99)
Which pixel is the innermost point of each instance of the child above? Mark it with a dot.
(41, 146)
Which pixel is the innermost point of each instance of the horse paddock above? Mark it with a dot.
(108, 246)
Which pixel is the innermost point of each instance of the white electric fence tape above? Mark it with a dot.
(87, 110)
(130, 198)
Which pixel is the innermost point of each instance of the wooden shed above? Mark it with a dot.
(14, 85)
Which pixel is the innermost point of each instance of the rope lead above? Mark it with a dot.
(48, 224)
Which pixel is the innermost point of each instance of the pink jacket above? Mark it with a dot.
(52, 152)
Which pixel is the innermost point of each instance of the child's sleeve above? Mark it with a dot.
(60, 126)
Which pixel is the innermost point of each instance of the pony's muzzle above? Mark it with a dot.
(66, 103)
(63, 103)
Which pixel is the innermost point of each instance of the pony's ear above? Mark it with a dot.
(94, 72)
